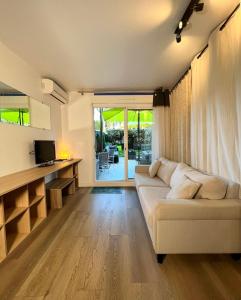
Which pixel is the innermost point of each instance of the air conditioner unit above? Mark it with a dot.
(51, 88)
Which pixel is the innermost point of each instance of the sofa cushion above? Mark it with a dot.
(143, 179)
(185, 190)
(154, 168)
(156, 207)
(150, 199)
(166, 170)
(213, 187)
(198, 209)
(178, 175)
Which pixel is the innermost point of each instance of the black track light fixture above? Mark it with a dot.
(199, 7)
(178, 38)
(194, 5)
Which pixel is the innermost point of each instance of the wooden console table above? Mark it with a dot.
(23, 201)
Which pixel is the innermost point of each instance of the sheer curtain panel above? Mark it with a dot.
(216, 103)
(180, 113)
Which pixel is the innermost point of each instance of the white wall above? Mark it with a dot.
(78, 128)
(16, 141)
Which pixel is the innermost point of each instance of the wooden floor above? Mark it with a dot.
(98, 247)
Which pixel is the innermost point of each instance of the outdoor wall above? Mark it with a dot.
(78, 128)
(17, 141)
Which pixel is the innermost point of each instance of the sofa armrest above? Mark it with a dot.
(142, 168)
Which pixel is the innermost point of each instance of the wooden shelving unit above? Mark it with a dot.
(21, 210)
(23, 203)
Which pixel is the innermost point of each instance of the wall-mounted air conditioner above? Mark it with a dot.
(51, 88)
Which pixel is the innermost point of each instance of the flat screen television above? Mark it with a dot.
(44, 152)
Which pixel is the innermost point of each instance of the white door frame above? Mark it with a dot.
(126, 107)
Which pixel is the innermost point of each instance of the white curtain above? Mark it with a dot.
(161, 132)
(180, 112)
(216, 104)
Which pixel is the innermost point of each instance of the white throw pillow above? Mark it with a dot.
(185, 190)
(178, 175)
(166, 170)
(154, 168)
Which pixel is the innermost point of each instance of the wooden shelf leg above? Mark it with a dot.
(56, 199)
(71, 188)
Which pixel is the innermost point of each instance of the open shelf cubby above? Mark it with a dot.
(67, 172)
(17, 230)
(38, 213)
(15, 203)
(36, 191)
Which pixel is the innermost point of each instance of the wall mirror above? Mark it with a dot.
(19, 109)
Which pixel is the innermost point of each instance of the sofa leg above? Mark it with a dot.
(236, 256)
(160, 258)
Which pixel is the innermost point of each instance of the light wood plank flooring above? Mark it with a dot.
(98, 247)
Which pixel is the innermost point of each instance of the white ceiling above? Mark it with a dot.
(107, 44)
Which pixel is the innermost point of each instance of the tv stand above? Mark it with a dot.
(23, 204)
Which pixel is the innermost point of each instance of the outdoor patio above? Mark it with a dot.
(116, 172)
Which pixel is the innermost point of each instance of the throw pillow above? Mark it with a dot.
(166, 170)
(154, 168)
(185, 190)
(178, 175)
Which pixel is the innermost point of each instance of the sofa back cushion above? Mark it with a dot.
(212, 187)
(232, 190)
(154, 168)
(178, 175)
(166, 170)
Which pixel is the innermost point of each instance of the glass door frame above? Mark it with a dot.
(126, 181)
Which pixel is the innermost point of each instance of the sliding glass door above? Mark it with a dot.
(139, 139)
(122, 140)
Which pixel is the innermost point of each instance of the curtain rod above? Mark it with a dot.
(221, 28)
(123, 93)
(203, 50)
(183, 75)
(206, 47)
(229, 17)
(12, 94)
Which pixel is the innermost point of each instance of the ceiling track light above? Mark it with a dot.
(198, 7)
(178, 38)
(194, 5)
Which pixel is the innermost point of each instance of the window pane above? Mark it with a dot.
(139, 139)
(15, 116)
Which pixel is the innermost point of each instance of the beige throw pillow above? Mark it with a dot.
(154, 168)
(166, 170)
(178, 175)
(185, 190)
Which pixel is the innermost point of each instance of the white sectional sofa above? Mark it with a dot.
(209, 223)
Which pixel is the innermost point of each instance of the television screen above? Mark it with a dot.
(44, 151)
